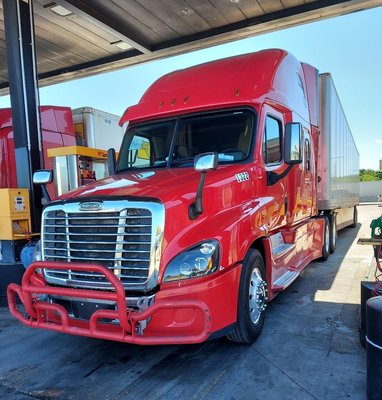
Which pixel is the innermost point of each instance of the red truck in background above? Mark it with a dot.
(60, 127)
(228, 184)
(57, 130)
(73, 145)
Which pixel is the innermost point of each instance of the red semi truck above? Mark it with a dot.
(232, 177)
(63, 131)
(60, 127)
(57, 130)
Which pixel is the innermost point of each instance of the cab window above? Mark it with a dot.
(272, 141)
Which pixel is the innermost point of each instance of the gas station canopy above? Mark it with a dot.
(77, 38)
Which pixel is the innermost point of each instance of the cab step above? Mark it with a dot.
(285, 280)
(279, 247)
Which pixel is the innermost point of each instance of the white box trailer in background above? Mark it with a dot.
(98, 129)
(338, 160)
(96, 132)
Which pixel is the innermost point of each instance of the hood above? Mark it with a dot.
(224, 198)
(162, 184)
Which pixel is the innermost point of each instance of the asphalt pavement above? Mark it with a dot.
(309, 348)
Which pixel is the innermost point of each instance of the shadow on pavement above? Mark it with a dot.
(309, 350)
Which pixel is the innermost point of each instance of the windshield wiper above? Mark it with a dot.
(127, 169)
(180, 161)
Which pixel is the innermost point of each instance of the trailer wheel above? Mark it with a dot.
(355, 218)
(333, 232)
(326, 240)
(252, 299)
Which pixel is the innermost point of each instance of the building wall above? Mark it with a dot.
(369, 191)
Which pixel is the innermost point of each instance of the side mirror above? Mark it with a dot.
(43, 176)
(111, 161)
(206, 162)
(203, 163)
(292, 151)
(293, 143)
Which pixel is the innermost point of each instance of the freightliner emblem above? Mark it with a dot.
(90, 206)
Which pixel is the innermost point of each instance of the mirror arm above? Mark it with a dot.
(273, 177)
(111, 161)
(196, 208)
(45, 195)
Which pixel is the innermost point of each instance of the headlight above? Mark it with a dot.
(198, 261)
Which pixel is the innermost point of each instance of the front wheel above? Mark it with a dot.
(252, 299)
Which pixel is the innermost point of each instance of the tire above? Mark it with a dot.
(252, 299)
(326, 240)
(362, 338)
(332, 232)
(355, 218)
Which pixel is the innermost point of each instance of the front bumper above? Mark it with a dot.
(121, 324)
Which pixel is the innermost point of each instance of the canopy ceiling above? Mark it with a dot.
(77, 38)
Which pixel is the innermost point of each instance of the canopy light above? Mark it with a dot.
(59, 10)
(121, 45)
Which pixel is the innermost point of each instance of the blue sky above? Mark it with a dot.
(349, 47)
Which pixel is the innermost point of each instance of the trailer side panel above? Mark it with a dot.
(338, 161)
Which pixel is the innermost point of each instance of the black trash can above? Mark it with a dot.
(367, 291)
(374, 347)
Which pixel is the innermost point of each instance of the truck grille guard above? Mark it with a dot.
(52, 316)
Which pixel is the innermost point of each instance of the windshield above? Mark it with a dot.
(176, 142)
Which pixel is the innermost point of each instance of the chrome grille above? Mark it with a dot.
(119, 239)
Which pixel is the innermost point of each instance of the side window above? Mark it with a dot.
(272, 141)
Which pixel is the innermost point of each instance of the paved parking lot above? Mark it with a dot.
(309, 348)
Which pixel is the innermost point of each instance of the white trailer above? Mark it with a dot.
(338, 161)
(96, 132)
(97, 129)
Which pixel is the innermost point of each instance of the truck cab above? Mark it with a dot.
(211, 213)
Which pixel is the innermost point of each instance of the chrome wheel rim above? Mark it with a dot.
(257, 295)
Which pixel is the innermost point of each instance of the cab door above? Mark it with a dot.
(301, 182)
(274, 198)
(308, 174)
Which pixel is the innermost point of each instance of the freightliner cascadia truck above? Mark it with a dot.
(232, 177)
